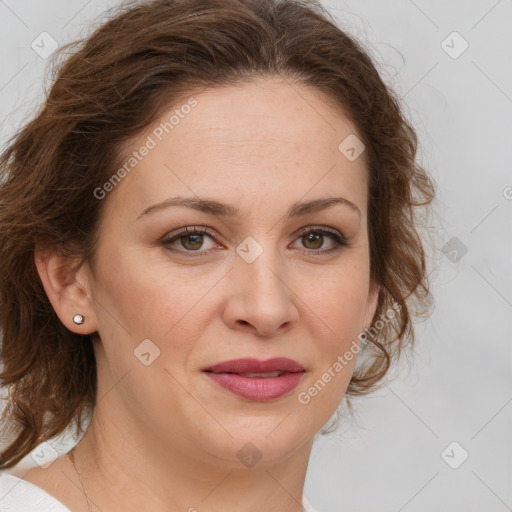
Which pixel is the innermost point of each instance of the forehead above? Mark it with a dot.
(267, 139)
(270, 111)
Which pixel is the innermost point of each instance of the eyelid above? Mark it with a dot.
(174, 235)
(339, 239)
(322, 229)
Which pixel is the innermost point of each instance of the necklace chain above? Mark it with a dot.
(71, 455)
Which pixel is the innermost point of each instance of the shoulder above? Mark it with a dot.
(17, 495)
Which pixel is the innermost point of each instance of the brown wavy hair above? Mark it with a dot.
(108, 88)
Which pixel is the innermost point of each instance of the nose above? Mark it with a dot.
(260, 297)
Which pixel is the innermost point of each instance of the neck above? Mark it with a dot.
(122, 467)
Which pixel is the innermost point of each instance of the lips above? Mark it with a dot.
(256, 380)
(255, 366)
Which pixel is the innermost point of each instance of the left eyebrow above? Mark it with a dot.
(213, 207)
(298, 209)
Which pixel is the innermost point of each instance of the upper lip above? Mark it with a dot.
(248, 365)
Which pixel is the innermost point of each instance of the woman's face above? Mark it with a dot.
(167, 305)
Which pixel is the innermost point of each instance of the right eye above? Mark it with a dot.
(191, 240)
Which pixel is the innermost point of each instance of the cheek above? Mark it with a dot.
(153, 297)
(338, 305)
(338, 299)
(143, 299)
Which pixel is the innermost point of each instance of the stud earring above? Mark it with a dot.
(78, 319)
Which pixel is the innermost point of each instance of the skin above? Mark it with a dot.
(164, 437)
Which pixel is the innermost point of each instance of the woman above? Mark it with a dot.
(209, 222)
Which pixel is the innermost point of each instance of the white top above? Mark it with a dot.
(17, 495)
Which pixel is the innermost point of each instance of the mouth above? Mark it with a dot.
(256, 380)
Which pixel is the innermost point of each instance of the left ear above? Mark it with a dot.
(371, 304)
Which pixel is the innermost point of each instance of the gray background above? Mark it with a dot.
(393, 457)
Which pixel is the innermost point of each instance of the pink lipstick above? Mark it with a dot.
(257, 380)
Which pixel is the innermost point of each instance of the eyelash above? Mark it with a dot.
(339, 240)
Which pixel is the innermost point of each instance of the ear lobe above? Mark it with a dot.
(68, 296)
(371, 305)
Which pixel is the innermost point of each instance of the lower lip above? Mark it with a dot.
(257, 389)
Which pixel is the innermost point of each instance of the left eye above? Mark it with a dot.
(192, 240)
(316, 238)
